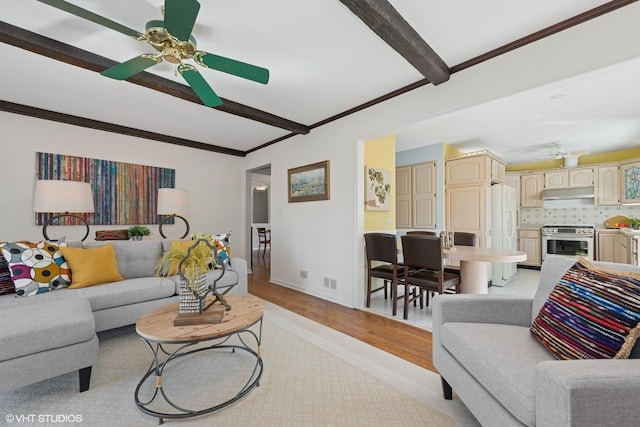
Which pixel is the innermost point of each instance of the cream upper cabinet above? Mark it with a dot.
(581, 177)
(630, 182)
(403, 197)
(416, 201)
(513, 180)
(607, 185)
(497, 171)
(578, 177)
(467, 170)
(474, 169)
(559, 179)
(531, 185)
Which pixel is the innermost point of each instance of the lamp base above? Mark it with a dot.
(53, 218)
(186, 233)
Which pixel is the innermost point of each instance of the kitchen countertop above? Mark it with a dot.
(625, 231)
(530, 226)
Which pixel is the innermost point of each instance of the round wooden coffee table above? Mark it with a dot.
(158, 332)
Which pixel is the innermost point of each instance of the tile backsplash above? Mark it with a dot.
(590, 215)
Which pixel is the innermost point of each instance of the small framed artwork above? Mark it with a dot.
(378, 189)
(309, 183)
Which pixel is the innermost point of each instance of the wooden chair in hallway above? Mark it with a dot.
(264, 239)
(382, 247)
(423, 268)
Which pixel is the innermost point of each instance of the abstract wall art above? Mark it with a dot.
(123, 193)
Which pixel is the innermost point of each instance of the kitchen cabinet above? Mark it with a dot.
(403, 197)
(423, 195)
(529, 242)
(472, 169)
(468, 209)
(568, 178)
(611, 246)
(630, 182)
(559, 179)
(513, 180)
(607, 185)
(581, 177)
(498, 169)
(416, 201)
(531, 185)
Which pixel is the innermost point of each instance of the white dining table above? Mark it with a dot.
(474, 264)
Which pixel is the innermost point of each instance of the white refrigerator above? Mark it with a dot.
(503, 230)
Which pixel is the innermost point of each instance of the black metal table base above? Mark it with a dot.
(246, 337)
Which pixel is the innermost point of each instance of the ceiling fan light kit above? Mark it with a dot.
(173, 40)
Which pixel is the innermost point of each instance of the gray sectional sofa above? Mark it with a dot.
(54, 333)
(483, 350)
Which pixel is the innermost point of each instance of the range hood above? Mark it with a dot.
(568, 193)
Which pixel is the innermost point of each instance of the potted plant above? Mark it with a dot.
(196, 262)
(135, 232)
(634, 223)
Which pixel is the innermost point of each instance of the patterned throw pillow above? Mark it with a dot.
(591, 313)
(6, 284)
(222, 242)
(36, 267)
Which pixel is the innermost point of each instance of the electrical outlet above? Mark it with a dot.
(304, 273)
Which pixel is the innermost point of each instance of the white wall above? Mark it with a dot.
(215, 181)
(325, 238)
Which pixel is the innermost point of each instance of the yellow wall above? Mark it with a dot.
(381, 153)
(588, 159)
(450, 151)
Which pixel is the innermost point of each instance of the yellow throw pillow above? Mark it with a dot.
(91, 267)
(178, 244)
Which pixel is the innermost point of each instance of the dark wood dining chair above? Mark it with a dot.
(264, 239)
(423, 268)
(421, 233)
(382, 247)
(460, 239)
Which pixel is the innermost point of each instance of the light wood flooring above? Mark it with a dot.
(408, 342)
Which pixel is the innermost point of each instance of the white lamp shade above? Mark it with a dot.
(173, 201)
(62, 196)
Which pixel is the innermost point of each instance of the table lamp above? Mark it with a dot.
(64, 198)
(174, 203)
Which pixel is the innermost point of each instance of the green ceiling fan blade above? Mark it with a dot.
(180, 17)
(231, 66)
(199, 85)
(90, 16)
(131, 67)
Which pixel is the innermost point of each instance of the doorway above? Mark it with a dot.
(258, 216)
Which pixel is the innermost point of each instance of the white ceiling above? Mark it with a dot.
(323, 60)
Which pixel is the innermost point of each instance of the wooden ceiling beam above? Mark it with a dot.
(54, 49)
(384, 20)
(54, 116)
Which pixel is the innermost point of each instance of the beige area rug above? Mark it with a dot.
(309, 379)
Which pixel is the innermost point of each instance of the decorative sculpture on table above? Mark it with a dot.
(192, 260)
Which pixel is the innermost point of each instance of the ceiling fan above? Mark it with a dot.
(173, 41)
(570, 158)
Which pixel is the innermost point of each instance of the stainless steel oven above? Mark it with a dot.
(568, 240)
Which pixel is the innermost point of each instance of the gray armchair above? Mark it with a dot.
(485, 353)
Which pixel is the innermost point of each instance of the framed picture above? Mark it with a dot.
(378, 189)
(309, 183)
